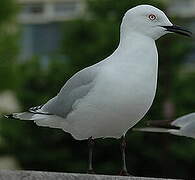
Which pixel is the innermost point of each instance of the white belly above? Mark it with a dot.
(114, 105)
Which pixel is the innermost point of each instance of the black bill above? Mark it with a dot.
(178, 30)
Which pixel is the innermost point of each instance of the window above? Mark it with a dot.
(65, 7)
(34, 8)
(40, 39)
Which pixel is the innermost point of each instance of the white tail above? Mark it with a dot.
(45, 120)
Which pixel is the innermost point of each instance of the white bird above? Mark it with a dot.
(182, 126)
(110, 97)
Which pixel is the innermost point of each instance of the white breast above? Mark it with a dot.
(124, 91)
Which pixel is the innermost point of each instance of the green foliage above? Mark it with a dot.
(8, 9)
(40, 81)
(184, 95)
(8, 43)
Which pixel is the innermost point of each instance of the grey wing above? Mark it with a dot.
(184, 120)
(188, 130)
(75, 88)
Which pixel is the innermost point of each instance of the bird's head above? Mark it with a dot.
(150, 21)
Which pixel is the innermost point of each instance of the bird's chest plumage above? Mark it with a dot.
(128, 85)
(118, 101)
(122, 94)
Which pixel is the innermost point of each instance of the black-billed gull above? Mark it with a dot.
(110, 97)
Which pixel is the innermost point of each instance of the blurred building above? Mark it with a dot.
(181, 8)
(41, 24)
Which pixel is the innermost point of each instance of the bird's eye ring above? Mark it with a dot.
(152, 17)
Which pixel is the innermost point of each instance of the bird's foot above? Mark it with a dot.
(90, 171)
(124, 173)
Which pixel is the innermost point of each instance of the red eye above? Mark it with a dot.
(152, 17)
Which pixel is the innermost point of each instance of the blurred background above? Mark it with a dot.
(44, 42)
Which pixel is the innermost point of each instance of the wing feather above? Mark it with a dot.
(75, 88)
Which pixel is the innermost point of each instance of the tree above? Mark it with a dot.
(8, 43)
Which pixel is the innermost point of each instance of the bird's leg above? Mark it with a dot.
(91, 146)
(124, 167)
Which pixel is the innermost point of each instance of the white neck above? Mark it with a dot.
(131, 41)
(128, 36)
